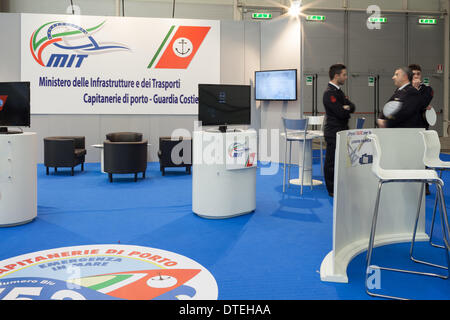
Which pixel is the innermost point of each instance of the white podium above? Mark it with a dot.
(18, 178)
(224, 173)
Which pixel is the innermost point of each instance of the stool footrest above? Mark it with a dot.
(410, 271)
(428, 264)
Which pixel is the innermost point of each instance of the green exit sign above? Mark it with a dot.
(427, 21)
(261, 15)
(378, 20)
(315, 18)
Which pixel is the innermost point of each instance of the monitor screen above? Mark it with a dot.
(222, 104)
(14, 104)
(276, 85)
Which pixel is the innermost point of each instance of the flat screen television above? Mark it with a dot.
(278, 85)
(223, 104)
(14, 105)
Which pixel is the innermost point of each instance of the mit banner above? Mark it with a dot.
(117, 65)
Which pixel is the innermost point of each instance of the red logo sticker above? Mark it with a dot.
(2, 102)
(333, 99)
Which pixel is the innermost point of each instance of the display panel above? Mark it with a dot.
(220, 104)
(14, 104)
(276, 85)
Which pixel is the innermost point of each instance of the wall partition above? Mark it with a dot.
(371, 53)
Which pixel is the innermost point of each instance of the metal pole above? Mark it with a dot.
(446, 68)
(118, 7)
(378, 94)
(236, 13)
(376, 98)
(316, 111)
(173, 9)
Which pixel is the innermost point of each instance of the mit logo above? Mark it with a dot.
(2, 101)
(60, 60)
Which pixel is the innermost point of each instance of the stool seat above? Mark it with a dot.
(315, 133)
(438, 164)
(408, 175)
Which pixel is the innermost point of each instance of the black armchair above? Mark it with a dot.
(67, 151)
(175, 152)
(125, 152)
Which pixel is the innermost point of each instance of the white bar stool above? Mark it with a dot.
(415, 176)
(431, 160)
(294, 130)
(318, 121)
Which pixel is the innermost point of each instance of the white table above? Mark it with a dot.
(102, 157)
(307, 175)
(18, 178)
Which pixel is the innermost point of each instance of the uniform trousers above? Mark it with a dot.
(328, 167)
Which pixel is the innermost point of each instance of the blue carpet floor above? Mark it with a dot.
(274, 253)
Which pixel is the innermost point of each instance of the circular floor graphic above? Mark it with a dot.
(104, 272)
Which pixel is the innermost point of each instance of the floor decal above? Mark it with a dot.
(104, 272)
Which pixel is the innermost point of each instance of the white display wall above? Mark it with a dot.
(117, 65)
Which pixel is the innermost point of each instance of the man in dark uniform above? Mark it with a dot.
(426, 92)
(337, 109)
(409, 115)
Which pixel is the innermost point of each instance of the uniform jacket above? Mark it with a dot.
(336, 118)
(427, 93)
(410, 114)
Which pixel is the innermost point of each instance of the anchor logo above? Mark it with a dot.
(182, 47)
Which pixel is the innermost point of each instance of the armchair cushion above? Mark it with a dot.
(124, 137)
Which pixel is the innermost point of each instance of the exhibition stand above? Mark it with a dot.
(355, 190)
(224, 173)
(18, 178)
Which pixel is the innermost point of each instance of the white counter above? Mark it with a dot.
(18, 178)
(224, 173)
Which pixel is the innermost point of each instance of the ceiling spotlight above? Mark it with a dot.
(294, 10)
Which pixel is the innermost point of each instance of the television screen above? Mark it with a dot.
(14, 104)
(276, 85)
(221, 104)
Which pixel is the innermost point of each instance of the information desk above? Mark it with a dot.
(18, 178)
(355, 190)
(224, 173)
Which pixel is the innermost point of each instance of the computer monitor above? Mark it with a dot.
(224, 104)
(278, 85)
(14, 105)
